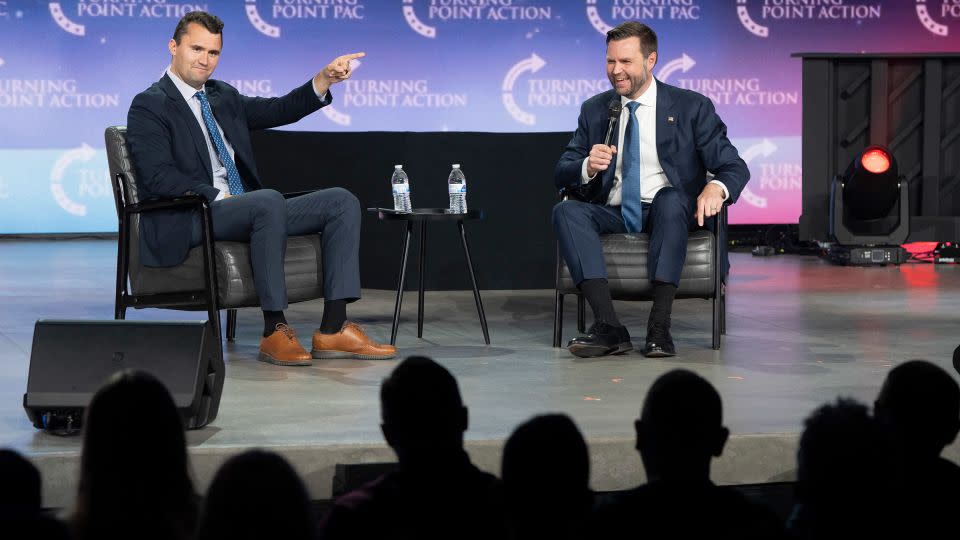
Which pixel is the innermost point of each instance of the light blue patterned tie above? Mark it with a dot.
(630, 206)
(233, 177)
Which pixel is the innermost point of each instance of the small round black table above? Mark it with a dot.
(424, 216)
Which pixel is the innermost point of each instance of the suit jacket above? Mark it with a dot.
(171, 159)
(691, 140)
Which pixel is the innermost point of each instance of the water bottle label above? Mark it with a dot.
(401, 189)
(457, 188)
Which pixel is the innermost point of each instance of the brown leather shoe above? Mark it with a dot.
(282, 348)
(350, 342)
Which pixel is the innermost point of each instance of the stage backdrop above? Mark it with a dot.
(69, 68)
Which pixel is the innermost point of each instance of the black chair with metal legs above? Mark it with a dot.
(215, 275)
(626, 259)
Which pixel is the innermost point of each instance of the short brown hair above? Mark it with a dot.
(211, 22)
(629, 29)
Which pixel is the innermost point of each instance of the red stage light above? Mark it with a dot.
(875, 160)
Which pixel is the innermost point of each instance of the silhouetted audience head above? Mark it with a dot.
(134, 478)
(257, 495)
(841, 473)
(20, 487)
(546, 478)
(919, 404)
(21, 504)
(680, 428)
(421, 409)
(436, 492)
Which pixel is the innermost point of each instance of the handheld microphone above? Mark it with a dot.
(615, 108)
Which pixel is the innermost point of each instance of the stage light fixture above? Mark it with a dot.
(869, 211)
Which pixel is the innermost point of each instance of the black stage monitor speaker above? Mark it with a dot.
(70, 360)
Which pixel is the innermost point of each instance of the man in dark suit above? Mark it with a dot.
(189, 134)
(669, 139)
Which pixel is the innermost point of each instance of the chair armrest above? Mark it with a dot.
(186, 201)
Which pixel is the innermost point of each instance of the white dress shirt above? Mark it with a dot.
(652, 177)
(219, 170)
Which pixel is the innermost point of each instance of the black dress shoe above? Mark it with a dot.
(659, 343)
(601, 340)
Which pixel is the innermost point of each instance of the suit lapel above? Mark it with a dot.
(187, 115)
(666, 131)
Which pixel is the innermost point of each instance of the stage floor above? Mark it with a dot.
(800, 332)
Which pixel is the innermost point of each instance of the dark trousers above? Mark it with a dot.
(578, 226)
(265, 219)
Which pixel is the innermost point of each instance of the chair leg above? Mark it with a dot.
(119, 303)
(581, 314)
(716, 323)
(723, 311)
(231, 324)
(557, 318)
(717, 281)
(214, 321)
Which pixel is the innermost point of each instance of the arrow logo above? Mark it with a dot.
(684, 63)
(416, 24)
(764, 148)
(261, 25)
(594, 17)
(748, 23)
(933, 26)
(533, 65)
(84, 153)
(63, 22)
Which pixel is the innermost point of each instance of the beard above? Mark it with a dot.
(636, 83)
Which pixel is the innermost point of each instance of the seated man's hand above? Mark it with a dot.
(709, 202)
(336, 71)
(600, 158)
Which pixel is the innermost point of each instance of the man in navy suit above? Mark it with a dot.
(189, 134)
(652, 178)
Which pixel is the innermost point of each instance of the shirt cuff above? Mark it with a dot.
(583, 173)
(726, 194)
(325, 97)
(220, 195)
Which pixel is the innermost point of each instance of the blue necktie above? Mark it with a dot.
(233, 177)
(630, 206)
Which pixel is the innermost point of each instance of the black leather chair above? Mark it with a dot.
(626, 259)
(215, 275)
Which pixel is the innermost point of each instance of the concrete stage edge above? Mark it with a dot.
(800, 333)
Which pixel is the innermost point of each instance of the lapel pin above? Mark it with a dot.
(671, 120)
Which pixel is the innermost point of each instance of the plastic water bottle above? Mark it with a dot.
(457, 186)
(401, 190)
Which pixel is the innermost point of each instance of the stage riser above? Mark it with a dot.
(615, 465)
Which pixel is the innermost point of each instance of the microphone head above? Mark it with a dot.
(615, 107)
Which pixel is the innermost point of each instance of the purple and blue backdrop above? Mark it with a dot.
(70, 68)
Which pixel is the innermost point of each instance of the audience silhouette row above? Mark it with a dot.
(859, 475)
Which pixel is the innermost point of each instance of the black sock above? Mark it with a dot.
(270, 321)
(334, 315)
(597, 293)
(663, 294)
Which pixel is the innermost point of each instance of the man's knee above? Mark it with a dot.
(347, 202)
(269, 201)
(670, 202)
(669, 197)
(563, 211)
